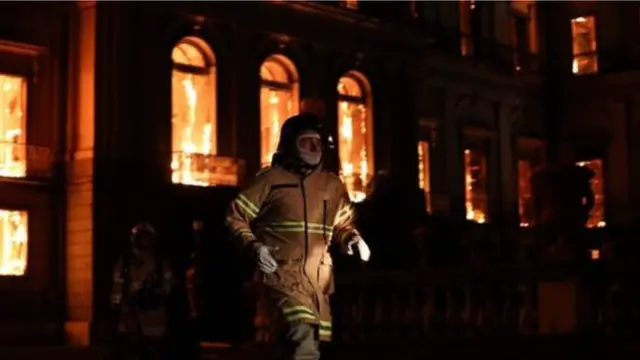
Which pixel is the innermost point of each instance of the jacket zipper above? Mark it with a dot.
(306, 244)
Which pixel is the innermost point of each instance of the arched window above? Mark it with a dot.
(193, 118)
(355, 133)
(279, 99)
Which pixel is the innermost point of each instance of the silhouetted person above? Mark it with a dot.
(563, 199)
(389, 218)
(142, 281)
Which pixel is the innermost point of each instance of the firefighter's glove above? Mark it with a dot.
(264, 258)
(363, 248)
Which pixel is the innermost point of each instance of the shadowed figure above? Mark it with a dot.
(389, 218)
(563, 200)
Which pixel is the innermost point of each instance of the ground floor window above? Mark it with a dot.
(13, 242)
(525, 201)
(424, 171)
(475, 171)
(596, 218)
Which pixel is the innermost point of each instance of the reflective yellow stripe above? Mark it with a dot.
(299, 226)
(299, 316)
(292, 309)
(297, 313)
(325, 328)
(247, 206)
(343, 215)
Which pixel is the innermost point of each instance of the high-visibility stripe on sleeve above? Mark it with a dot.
(116, 299)
(343, 215)
(249, 208)
(295, 313)
(325, 328)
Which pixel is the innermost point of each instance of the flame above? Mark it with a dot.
(424, 173)
(354, 162)
(277, 105)
(13, 242)
(12, 135)
(475, 211)
(184, 163)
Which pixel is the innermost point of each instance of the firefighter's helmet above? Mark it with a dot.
(297, 124)
(143, 227)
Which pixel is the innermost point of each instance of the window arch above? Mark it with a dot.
(355, 133)
(193, 118)
(279, 99)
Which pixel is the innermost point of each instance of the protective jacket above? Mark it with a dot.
(141, 282)
(300, 215)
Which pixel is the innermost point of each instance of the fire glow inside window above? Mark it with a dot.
(585, 57)
(466, 10)
(193, 120)
(351, 4)
(13, 125)
(525, 201)
(596, 218)
(424, 171)
(13, 242)
(475, 175)
(279, 99)
(355, 134)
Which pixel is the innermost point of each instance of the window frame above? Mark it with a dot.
(209, 69)
(366, 100)
(590, 54)
(292, 85)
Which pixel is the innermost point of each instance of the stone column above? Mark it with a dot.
(80, 158)
(616, 169)
(508, 173)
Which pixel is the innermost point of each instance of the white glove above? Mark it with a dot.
(363, 248)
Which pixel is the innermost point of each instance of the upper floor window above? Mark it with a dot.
(424, 171)
(466, 15)
(279, 99)
(355, 133)
(13, 126)
(596, 217)
(585, 57)
(475, 175)
(13, 242)
(193, 120)
(351, 4)
(525, 200)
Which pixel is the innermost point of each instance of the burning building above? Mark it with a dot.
(112, 113)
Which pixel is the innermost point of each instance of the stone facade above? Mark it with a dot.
(100, 100)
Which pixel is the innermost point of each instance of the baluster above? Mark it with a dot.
(378, 314)
(412, 314)
(359, 319)
(513, 308)
(439, 314)
(455, 308)
(395, 314)
(470, 310)
(528, 313)
(493, 311)
(428, 308)
(477, 304)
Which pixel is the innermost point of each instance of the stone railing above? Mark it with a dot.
(499, 301)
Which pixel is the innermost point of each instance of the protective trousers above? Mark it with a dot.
(300, 343)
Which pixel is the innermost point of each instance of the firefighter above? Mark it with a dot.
(286, 219)
(142, 281)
